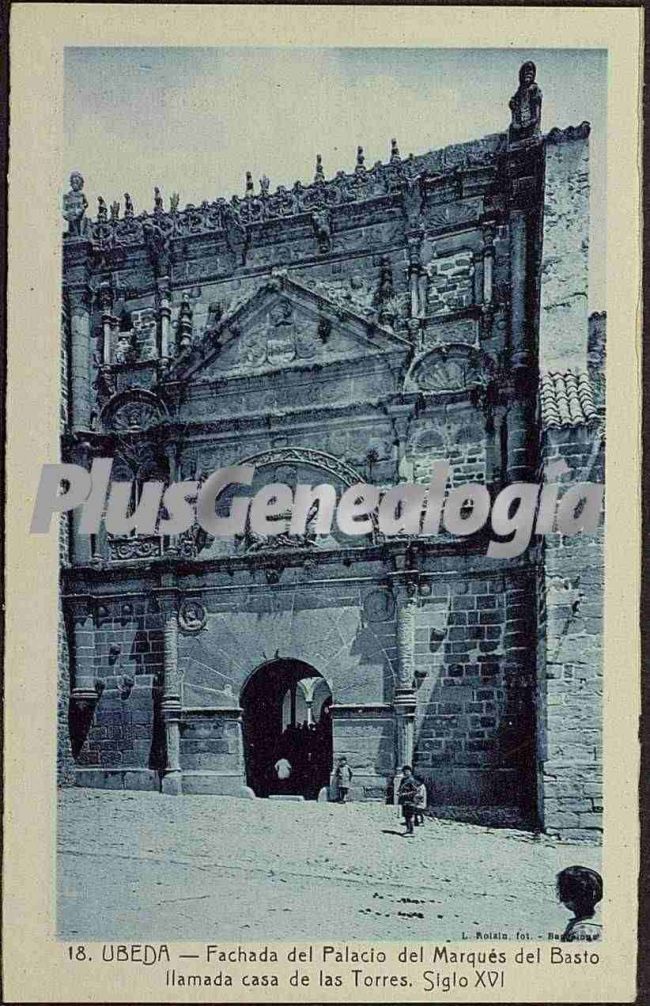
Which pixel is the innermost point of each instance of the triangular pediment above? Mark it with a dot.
(285, 324)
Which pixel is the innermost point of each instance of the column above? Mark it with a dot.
(488, 263)
(80, 544)
(520, 419)
(520, 352)
(172, 782)
(106, 299)
(171, 543)
(401, 416)
(294, 693)
(83, 694)
(414, 242)
(404, 700)
(79, 357)
(165, 316)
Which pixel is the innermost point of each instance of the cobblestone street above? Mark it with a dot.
(144, 867)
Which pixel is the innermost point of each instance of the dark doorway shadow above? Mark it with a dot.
(287, 730)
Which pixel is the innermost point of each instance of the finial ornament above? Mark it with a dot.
(115, 211)
(157, 200)
(128, 206)
(185, 322)
(526, 105)
(173, 202)
(394, 152)
(319, 174)
(250, 188)
(75, 205)
(360, 159)
(264, 186)
(102, 211)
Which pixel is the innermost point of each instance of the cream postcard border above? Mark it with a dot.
(34, 966)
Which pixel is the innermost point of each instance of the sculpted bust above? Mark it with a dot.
(75, 205)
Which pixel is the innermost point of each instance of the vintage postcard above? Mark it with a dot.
(322, 671)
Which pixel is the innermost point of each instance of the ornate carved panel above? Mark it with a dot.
(134, 410)
(447, 368)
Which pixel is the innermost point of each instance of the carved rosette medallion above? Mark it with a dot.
(133, 410)
(379, 606)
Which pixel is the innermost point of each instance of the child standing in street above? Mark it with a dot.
(420, 803)
(343, 778)
(407, 797)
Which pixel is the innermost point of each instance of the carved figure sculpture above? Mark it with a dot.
(215, 313)
(385, 296)
(128, 207)
(412, 201)
(321, 223)
(157, 200)
(75, 205)
(319, 174)
(281, 335)
(115, 211)
(158, 246)
(526, 105)
(125, 351)
(173, 202)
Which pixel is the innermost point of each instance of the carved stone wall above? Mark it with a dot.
(565, 263)
(570, 664)
(458, 436)
(451, 283)
(125, 737)
(359, 328)
(475, 704)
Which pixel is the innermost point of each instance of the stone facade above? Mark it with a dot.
(354, 329)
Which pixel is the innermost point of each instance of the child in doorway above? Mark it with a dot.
(343, 778)
(580, 889)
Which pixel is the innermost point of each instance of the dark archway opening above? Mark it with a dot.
(286, 717)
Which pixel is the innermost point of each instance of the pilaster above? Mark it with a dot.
(172, 782)
(79, 306)
(404, 699)
(163, 286)
(84, 693)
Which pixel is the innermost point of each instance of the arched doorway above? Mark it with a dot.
(286, 715)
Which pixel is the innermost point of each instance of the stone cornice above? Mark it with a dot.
(395, 179)
(396, 558)
(569, 134)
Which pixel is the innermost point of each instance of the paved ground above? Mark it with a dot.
(145, 867)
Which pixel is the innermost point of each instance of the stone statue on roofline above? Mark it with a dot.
(526, 105)
(102, 210)
(75, 205)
